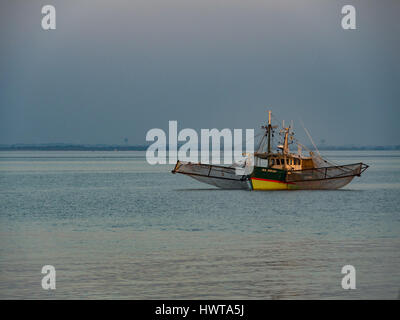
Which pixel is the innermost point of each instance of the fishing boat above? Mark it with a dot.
(279, 170)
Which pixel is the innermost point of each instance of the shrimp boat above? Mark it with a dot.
(280, 170)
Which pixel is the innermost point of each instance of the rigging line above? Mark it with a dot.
(325, 160)
(309, 136)
(303, 146)
(276, 119)
(245, 142)
(328, 161)
(279, 122)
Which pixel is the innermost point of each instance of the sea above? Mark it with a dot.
(115, 227)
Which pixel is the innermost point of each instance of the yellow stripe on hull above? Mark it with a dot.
(259, 184)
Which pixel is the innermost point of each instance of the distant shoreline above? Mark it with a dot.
(73, 147)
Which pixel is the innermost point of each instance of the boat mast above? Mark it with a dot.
(286, 143)
(269, 132)
(285, 149)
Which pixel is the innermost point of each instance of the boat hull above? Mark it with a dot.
(224, 183)
(218, 176)
(269, 179)
(328, 184)
(323, 178)
(267, 184)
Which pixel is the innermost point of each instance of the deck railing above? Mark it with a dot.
(323, 173)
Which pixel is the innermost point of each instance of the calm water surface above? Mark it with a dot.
(115, 227)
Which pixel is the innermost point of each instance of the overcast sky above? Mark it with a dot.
(115, 69)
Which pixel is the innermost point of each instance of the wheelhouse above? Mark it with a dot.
(284, 162)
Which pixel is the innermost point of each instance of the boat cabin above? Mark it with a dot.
(287, 162)
(283, 159)
(284, 162)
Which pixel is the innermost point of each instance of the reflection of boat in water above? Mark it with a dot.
(281, 170)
